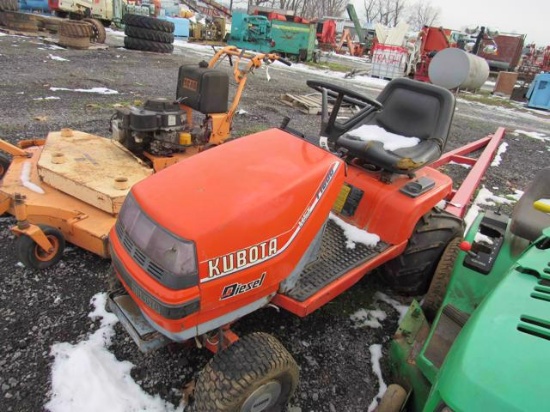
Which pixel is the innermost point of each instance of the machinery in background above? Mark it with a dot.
(430, 40)
(259, 33)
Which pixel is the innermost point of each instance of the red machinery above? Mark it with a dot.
(432, 40)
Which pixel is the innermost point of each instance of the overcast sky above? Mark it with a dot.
(531, 17)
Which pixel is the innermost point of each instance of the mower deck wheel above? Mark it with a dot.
(33, 256)
(393, 399)
(256, 373)
(436, 292)
(4, 164)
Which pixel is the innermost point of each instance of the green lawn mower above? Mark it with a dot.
(480, 339)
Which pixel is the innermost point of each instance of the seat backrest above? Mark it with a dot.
(416, 109)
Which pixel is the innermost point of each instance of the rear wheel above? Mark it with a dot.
(33, 256)
(4, 164)
(438, 286)
(256, 373)
(412, 271)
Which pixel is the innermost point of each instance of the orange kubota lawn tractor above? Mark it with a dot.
(70, 186)
(289, 223)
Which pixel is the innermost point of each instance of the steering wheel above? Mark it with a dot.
(349, 96)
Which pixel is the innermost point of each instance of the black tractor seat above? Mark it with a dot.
(412, 109)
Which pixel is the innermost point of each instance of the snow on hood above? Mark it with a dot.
(391, 141)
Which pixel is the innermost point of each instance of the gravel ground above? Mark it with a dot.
(38, 309)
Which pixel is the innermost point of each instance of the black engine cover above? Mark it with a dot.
(156, 114)
(203, 89)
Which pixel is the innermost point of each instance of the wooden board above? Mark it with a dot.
(91, 165)
(311, 104)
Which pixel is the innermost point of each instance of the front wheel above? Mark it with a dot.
(254, 374)
(33, 256)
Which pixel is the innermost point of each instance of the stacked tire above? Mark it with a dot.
(148, 34)
(75, 34)
(9, 5)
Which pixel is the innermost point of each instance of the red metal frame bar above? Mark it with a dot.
(461, 198)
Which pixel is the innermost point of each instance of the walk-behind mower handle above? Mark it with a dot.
(284, 61)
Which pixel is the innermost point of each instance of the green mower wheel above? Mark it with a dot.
(33, 256)
(438, 286)
(256, 373)
(393, 399)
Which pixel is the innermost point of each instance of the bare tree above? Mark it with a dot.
(387, 12)
(423, 14)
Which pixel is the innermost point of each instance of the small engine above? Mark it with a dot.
(159, 128)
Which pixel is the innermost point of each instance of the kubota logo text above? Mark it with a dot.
(241, 258)
(237, 288)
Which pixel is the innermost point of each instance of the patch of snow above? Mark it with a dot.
(26, 179)
(398, 306)
(498, 156)
(534, 135)
(87, 377)
(355, 235)
(47, 98)
(20, 265)
(375, 356)
(99, 90)
(2, 34)
(368, 318)
(479, 237)
(464, 165)
(487, 198)
(391, 141)
(241, 111)
(58, 58)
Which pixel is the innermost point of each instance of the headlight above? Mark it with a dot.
(171, 253)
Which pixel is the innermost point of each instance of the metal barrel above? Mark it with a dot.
(454, 68)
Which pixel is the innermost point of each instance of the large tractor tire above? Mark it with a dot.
(33, 256)
(75, 28)
(147, 34)
(74, 42)
(99, 35)
(411, 272)
(438, 286)
(147, 45)
(146, 22)
(256, 373)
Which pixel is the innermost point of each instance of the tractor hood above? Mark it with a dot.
(500, 359)
(260, 191)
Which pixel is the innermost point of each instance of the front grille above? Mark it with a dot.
(150, 267)
(167, 311)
